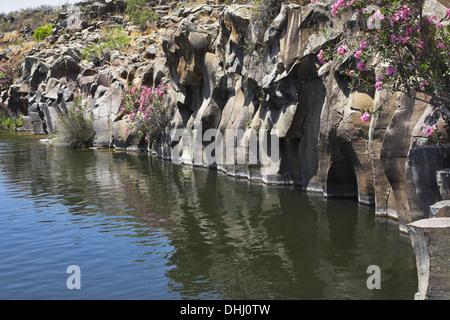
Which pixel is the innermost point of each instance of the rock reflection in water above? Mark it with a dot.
(215, 237)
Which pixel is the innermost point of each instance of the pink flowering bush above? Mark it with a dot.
(9, 71)
(339, 5)
(146, 110)
(413, 47)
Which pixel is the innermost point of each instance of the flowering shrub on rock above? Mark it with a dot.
(434, 135)
(146, 110)
(413, 48)
(9, 71)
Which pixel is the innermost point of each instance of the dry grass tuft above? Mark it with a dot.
(11, 35)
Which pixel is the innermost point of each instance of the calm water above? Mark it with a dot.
(142, 228)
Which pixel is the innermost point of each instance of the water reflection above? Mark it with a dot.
(193, 233)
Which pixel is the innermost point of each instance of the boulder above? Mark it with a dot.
(430, 239)
(440, 209)
(106, 105)
(36, 117)
(150, 52)
(38, 74)
(125, 136)
(64, 66)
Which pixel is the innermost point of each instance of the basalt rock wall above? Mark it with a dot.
(324, 146)
(219, 79)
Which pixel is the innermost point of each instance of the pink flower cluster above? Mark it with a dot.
(390, 71)
(430, 130)
(379, 85)
(361, 67)
(340, 4)
(365, 117)
(423, 84)
(320, 57)
(403, 14)
(377, 17)
(359, 50)
(9, 71)
(342, 50)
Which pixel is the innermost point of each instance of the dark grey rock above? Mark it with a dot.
(423, 164)
(443, 181)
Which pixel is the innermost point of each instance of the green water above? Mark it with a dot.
(142, 228)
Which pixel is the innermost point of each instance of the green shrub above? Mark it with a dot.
(6, 123)
(18, 122)
(140, 14)
(117, 40)
(43, 32)
(75, 129)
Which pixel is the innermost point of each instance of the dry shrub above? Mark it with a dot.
(76, 129)
(11, 35)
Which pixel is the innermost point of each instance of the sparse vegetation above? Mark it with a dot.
(31, 17)
(116, 40)
(140, 14)
(5, 25)
(263, 13)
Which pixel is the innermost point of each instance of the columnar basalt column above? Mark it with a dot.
(430, 239)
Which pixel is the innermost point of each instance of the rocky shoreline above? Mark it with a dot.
(218, 79)
(201, 53)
